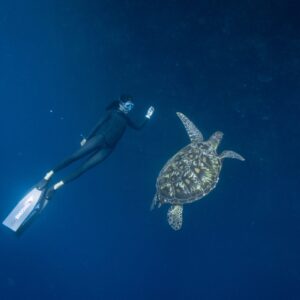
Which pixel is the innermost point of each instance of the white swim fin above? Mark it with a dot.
(29, 206)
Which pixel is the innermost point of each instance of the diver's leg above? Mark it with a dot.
(89, 147)
(94, 160)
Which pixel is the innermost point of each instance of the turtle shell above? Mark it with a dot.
(189, 175)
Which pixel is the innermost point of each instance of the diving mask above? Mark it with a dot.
(126, 107)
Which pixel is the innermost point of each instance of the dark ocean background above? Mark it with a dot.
(232, 66)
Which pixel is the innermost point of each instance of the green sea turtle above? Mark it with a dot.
(191, 173)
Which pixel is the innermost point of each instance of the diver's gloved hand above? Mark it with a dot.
(150, 112)
(83, 142)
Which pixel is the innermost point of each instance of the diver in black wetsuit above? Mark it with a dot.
(96, 147)
(99, 144)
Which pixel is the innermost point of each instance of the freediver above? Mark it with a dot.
(100, 143)
(96, 147)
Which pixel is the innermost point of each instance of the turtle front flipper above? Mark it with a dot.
(175, 216)
(231, 154)
(193, 132)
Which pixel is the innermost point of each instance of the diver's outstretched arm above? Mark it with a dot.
(148, 115)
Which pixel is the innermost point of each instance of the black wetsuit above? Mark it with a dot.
(100, 142)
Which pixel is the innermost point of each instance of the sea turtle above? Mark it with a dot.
(191, 173)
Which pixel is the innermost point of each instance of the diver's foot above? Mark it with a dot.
(49, 193)
(49, 175)
(41, 205)
(42, 184)
(45, 181)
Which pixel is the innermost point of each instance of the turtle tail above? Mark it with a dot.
(154, 202)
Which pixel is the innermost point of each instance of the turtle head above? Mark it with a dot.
(215, 140)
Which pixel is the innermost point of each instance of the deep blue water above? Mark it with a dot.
(228, 65)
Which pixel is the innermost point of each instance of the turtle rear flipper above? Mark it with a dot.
(231, 154)
(175, 216)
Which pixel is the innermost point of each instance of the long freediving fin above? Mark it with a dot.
(24, 210)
